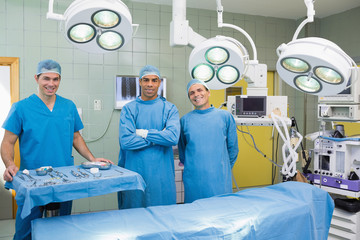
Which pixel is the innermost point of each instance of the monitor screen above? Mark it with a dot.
(325, 162)
(253, 104)
(250, 106)
(127, 88)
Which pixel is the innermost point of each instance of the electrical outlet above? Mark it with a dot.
(97, 105)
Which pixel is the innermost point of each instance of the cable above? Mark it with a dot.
(306, 158)
(222, 105)
(322, 128)
(293, 120)
(276, 154)
(257, 148)
(250, 145)
(107, 127)
(234, 180)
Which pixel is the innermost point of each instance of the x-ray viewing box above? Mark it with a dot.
(127, 88)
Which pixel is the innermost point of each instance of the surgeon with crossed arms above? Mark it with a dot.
(149, 127)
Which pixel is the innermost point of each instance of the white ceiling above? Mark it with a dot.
(290, 9)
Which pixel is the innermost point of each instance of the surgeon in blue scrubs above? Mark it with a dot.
(149, 127)
(208, 146)
(47, 126)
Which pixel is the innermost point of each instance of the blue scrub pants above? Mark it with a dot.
(23, 225)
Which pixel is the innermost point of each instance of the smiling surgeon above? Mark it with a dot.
(208, 146)
(47, 126)
(149, 127)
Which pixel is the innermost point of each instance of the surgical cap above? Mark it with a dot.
(48, 65)
(149, 70)
(196, 81)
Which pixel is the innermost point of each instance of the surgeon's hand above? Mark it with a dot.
(102, 160)
(10, 171)
(142, 132)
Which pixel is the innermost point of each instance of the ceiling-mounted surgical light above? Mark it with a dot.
(219, 61)
(96, 26)
(314, 65)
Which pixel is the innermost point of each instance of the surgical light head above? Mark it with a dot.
(314, 65)
(48, 65)
(195, 81)
(96, 26)
(149, 70)
(219, 62)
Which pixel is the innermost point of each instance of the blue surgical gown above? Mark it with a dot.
(45, 139)
(151, 157)
(208, 148)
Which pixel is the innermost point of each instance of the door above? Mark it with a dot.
(5, 195)
(9, 93)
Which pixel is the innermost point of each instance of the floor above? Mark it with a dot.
(7, 229)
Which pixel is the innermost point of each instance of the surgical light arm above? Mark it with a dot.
(181, 34)
(221, 24)
(255, 73)
(310, 17)
(51, 15)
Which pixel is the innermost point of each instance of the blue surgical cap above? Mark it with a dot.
(149, 70)
(48, 65)
(196, 81)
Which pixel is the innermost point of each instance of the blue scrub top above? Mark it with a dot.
(45, 137)
(208, 148)
(152, 157)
